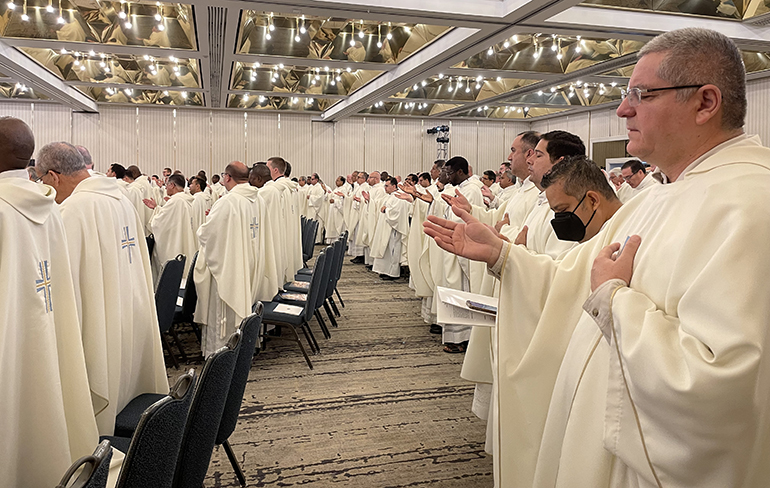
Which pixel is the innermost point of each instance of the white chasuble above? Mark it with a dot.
(336, 225)
(275, 226)
(389, 241)
(142, 189)
(236, 264)
(674, 389)
(46, 416)
(318, 208)
(201, 205)
(415, 245)
(114, 297)
(356, 220)
(172, 227)
(292, 225)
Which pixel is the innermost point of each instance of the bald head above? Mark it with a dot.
(235, 174)
(86, 157)
(16, 144)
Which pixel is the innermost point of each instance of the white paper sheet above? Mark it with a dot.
(288, 309)
(453, 310)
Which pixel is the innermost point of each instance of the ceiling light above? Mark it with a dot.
(559, 56)
(490, 51)
(24, 17)
(361, 34)
(407, 29)
(578, 38)
(613, 84)
(536, 55)
(553, 89)
(61, 20)
(122, 15)
(379, 43)
(499, 79)
(127, 25)
(280, 66)
(352, 43)
(161, 27)
(165, 93)
(297, 38)
(570, 94)
(423, 82)
(415, 87)
(146, 57)
(302, 29)
(158, 17)
(506, 44)
(601, 91)
(310, 100)
(176, 70)
(338, 78)
(49, 8)
(11, 6)
(526, 109)
(540, 92)
(479, 78)
(519, 110)
(459, 83)
(486, 107)
(478, 109)
(92, 53)
(577, 49)
(389, 36)
(348, 69)
(268, 36)
(102, 65)
(312, 82)
(506, 110)
(184, 94)
(107, 69)
(63, 51)
(441, 76)
(127, 91)
(245, 97)
(271, 27)
(478, 86)
(261, 99)
(333, 83)
(467, 89)
(77, 62)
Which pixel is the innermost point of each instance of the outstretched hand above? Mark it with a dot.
(506, 221)
(457, 201)
(521, 239)
(609, 266)
(470, 239)
(487, 192)
(150, 203)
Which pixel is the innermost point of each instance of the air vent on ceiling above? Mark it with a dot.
(217, 21)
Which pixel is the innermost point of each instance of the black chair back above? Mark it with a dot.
(190, 300)
(152, 456)
(309, 240)
(205, 415)
(325, 272)
(316, 282)
(339, 256)
(343, 248)
(96, 468)
(168, 291)
(249, 335)
(150, 244)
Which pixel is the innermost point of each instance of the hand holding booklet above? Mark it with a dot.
(457, 307)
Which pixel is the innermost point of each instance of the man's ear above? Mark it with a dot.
(593, 198)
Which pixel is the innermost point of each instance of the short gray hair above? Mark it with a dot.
(509, 174)
(61, 157)
(698, 57)
(86, 155)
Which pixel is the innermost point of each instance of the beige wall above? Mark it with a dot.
(190, 140)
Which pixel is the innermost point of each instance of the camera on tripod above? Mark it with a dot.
(439, 128)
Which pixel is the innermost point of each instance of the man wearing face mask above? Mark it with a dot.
(580, 197)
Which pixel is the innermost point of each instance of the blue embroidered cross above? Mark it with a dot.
(127, 242)
(44, 285)
(254, 227)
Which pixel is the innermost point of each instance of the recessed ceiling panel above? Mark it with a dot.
(152, 97)
(330, 38)
(506, 112)
(17, 91)
(543, 53)
(417, 109)
(576, 94)
(461, 88)
(293, 104)
(100, 67)
(726, 9)
(298, 79)
(144, 23)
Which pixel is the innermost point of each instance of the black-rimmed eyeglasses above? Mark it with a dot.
(634, 95)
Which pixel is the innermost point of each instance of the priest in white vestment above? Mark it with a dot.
(112, 283)
(651, 380)
(201, 204)
(318, 208)
(302, 190)
(46, 416)
(636, 177)
(140, 185)
(236, 264)
(336, 220)
(355, 219)
(172, 226)
(371, 213)
(390, 240)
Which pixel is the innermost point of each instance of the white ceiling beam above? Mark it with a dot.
(230, 43)
(14, 63)
(204, 66)
(624, 23)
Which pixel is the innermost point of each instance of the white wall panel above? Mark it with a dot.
(617, 125)
(51, 123)
(464, 140)
(156, 143)
(348, 149)
(600, 123)
(322, 153)
(492, 149)
(119, 141)
(758, 113)
(296, 143)
(193, 142)
(512, 129)
(263, 137)
(19, 110)
(87, 132)
(228, 138)
(408, 148)
(540, 126)
(378, 145)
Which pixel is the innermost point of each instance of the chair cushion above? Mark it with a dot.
(302, 277)
(128, 418)
(293, 298)
(119, 443)
(271, 316)
(305, 271)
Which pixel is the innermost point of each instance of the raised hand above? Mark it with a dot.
(506, 221)
(366, 195)
(522, 237)
(470, 239)
(458, 200)
(150, 203)
(487, 192)
(608, 265)
(404, 196)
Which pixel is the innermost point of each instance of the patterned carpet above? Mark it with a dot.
(384, 406)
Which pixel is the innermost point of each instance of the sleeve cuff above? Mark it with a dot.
(598, 305)
(497, 269)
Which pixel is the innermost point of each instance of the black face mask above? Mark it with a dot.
(568, 226)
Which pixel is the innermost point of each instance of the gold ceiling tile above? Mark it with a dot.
(298, 79)
(150, 97)
(726, 9)
(18, 91)
(293, 104)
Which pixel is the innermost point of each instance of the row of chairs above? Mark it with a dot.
(312, 290)
(169, 439)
